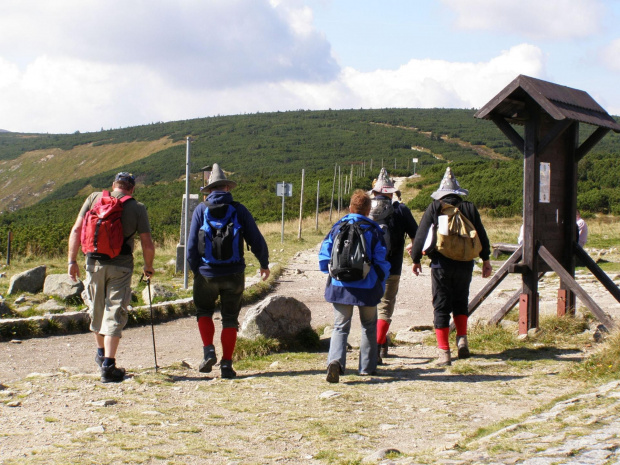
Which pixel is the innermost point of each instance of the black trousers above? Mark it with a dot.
(450, 293)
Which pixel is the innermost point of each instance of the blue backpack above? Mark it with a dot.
(220, 240)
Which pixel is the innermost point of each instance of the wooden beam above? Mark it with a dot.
(524, 323)
(590, 142)
(605, 280)
(555, 132)
(491, 285)
(509, 305)
(508, 131)
(575, 287)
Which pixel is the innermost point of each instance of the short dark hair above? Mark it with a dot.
(126, 178)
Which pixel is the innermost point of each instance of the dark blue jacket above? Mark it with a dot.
(251, 235)
(404, 224)
(368, 291)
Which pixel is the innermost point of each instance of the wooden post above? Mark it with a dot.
(301, 202)
(318, 189)
(8, 248)
(339, 191)
(331, 204)
(531, 189)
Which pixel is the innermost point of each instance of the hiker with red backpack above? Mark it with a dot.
(452, 247)
(353, 254)
(105, 229)
(215, 245)
(397, 222)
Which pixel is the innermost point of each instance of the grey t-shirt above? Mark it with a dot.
(134, 220)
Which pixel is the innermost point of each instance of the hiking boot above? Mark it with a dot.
(383, 349)
(112, 374)
(226, 369)
(209, 360)
(333, 372)
(443, 358)
(380, 360)
(365, 373)
(99, 360)
(461, 344)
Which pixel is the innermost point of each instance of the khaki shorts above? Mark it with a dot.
(108, 291)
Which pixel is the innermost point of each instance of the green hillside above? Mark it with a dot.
(260, 150)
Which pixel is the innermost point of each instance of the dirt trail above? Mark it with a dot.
(281, 410)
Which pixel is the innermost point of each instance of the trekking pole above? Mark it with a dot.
(148, 285)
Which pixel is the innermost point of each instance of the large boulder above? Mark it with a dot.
(61, 285)
(276, 317)
(28, 281)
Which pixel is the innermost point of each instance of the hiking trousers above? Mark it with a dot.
(388, 301)
(228, 288)
(108, 290)
(450, 287)
(368, 343)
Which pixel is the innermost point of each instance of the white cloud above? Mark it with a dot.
(547, 19)
(437, 83)
(212, 43)
(610, 56)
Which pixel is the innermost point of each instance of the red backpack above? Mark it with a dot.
(102, 232)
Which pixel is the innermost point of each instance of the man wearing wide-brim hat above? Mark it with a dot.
(450, 278)
(397, 222)
(215, 248)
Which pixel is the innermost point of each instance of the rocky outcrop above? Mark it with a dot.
(28, 281)
(61, 285)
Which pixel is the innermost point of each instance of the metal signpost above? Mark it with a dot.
(284, 189)
(415, 162)
(186, 232)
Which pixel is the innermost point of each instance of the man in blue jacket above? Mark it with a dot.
(216, 275)
(364, 293)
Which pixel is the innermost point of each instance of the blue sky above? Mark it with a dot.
(84, 65)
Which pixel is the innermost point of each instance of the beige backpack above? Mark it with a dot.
(457, 237)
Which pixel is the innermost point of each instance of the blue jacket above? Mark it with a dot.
(250, 231)
(368, 291)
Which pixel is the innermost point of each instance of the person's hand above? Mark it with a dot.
(74, 271)
(487, 269)
(408, 248)
(148, 271)
(264, 272)
(417, 269)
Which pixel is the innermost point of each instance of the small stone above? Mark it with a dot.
(16, 341)
(15, 403)
(185, 364)
(274, 364)
(329, 394)
(525, 435)
(95, 429)
(103, 403)
(379, 455)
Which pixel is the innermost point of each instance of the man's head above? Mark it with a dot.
(218, 181)
(360, 203)
(449, 185)
(124, 181)
(383, 185)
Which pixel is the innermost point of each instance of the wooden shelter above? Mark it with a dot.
(550, 115)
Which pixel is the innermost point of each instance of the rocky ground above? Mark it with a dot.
(54, 409)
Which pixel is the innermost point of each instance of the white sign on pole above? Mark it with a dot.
(285, 189)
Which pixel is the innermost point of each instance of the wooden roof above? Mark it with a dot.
(560, 102)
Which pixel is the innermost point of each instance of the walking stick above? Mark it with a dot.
(148, 285)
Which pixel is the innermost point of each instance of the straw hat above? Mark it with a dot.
(448, 185)
(217, 179)
(383, 184)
